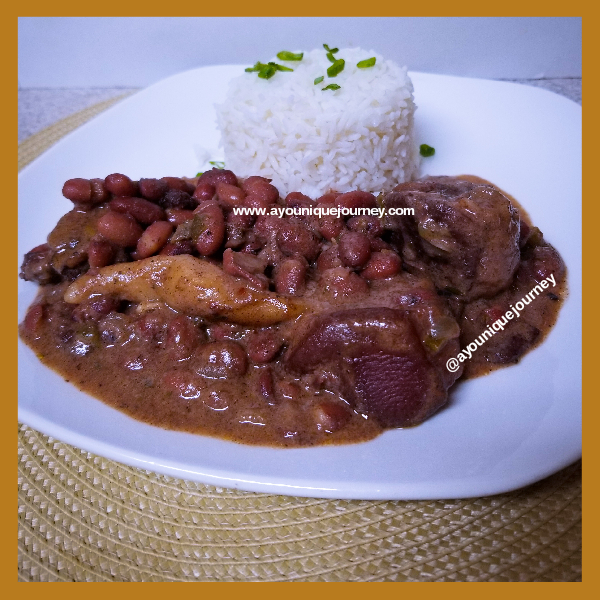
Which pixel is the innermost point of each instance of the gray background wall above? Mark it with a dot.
(57, 52)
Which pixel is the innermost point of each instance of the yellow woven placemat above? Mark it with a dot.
(86, 518)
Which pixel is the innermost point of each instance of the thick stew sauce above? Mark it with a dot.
(318, 321)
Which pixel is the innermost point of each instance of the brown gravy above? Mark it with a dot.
(219, 376)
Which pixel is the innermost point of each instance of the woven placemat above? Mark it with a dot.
(86, 518)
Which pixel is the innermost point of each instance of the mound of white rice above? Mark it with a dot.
(305, 139)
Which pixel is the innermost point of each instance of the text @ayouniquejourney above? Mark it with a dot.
(453, 364)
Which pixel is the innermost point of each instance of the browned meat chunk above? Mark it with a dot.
(464, 235)
(386, 370)
(518, 336)
(37, 266)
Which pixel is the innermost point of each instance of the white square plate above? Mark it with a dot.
(498, 432)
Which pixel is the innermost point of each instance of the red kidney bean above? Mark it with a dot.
(34, 317)
(220, 331)
(241, 220)
(341, 282)
(153, 189)
(330, 416)
(330, 227)
(99, 192)
(377, 244)
(230, 195)
(263, 346)
(153, 239)
(290, 277)
(356, 199)
(103, 304)
(215, 176)
(94, 308)
(100, 253)
(120, 185)
(152, 327)
(178, 199)
(119, 228)
(266, 386)
(142, 210)
(257, 202)
(212, 237)
(296, 239)
(262, 190)
(182, 337)
(247, 183)
(328, 198)
(354, 249)
(178, 184)
(237, 226)
(204, 191)
(177, 216)
(382, 265)
(78, 191)
(266, 228)
(289, 390)
(296, 199)
(176, 248)
(329, 259)
(185, 384)
(370, 226)
(221, 360)
(543, 261)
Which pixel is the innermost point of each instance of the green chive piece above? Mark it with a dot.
(267, 72)
(426, 150)
(365, 64)
(219, 164)
(332, 50)
(336, 68)
(285, 55)
(199, 174)
(256, 67)
(319, 79)
(332, 86)
(279, 67)
(331, 57)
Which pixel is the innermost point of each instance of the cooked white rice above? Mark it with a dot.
(313, 141)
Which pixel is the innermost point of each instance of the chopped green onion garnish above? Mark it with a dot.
(365, 64)
(426, 150)
(285, 55)
(199, 173)
(267, 72)
(332, 86)
(279, 67)
(336, 67)
(319, 79)
(219, 164)
(256, 67)
(331, 57)
(332, 50)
